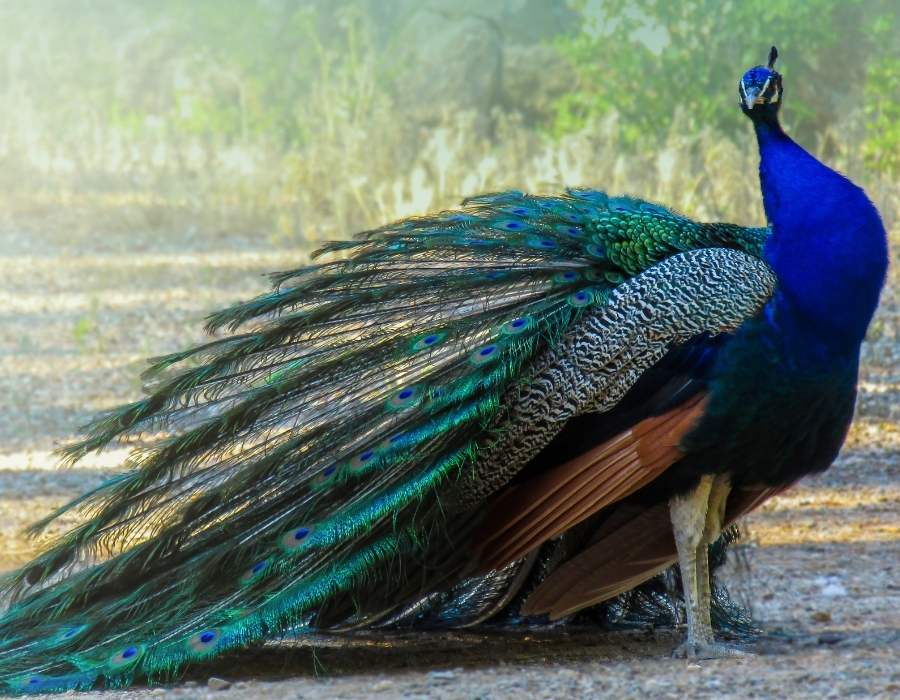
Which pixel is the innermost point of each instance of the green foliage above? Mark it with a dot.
(228, 70)
(647, 59)
(310, 117)
(881, 147)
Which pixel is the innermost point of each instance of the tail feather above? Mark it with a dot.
(314, 449)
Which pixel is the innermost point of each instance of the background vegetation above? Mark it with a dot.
(299, 120)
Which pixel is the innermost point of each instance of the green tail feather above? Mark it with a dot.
(313, 449)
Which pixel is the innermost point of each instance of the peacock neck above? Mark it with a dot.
(828, 251)
(788, 176)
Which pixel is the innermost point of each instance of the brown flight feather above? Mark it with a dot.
(538, 510)
(630, 548)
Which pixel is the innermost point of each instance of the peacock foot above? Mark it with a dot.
(707, 650)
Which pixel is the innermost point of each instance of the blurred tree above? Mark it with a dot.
(647, 58)
(356, 109)
(881, 146)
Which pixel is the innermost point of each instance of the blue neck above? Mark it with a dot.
(828, 249)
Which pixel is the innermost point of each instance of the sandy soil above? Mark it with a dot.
(81, 309)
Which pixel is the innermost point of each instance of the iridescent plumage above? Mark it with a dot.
(339, 458)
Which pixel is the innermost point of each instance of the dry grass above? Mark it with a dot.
(363, 169)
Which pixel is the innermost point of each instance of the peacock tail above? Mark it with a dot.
(322, 464)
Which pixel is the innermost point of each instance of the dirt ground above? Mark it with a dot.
(81, 310)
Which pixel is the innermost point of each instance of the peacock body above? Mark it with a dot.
(530, 402)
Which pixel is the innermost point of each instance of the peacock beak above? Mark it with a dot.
(751, 97)
(755, 95)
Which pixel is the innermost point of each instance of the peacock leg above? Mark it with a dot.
(696, 517)
(688, 514)
(715, 516)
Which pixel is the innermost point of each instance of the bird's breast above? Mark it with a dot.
(770, 419)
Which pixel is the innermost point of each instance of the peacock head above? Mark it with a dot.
(760, 89)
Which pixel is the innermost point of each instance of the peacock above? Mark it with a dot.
(525, 406)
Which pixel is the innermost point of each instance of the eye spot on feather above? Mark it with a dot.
(581, 298)
(405, 398)
(595, 250)
(126, 657)
(570, 231)
(517, 325)
(29, 683)
(655, 209)
(362, 459)
(392, 441)
(254, 573)
(510, 225)
(566, 277)
(429, 340)
(296, 538)
(485, 354)
(71, 632)
(541, 243)
(614, 277)
(595, 196)
(204, 641)
(324, 476)
(570, 217)
(519, 211)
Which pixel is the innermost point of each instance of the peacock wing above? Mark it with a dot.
(711, 291)
(592, 367)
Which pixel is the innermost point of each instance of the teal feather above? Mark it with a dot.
(312, 448)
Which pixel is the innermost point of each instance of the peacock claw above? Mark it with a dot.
(707, 650)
